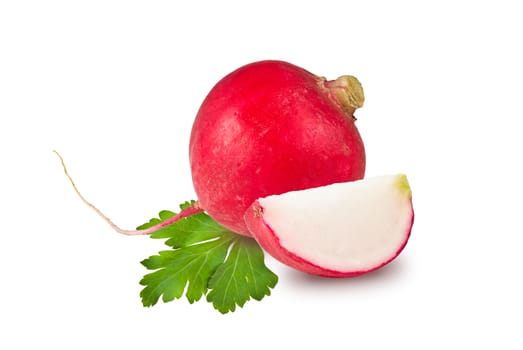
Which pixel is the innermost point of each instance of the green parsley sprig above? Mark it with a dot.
(205, 259)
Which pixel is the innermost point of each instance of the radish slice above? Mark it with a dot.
(339, 230)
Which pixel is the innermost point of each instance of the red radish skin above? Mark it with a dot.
(271, 127)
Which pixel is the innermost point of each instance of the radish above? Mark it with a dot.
(340, 230)
(271, 127)
(267, 128)
(275, 154)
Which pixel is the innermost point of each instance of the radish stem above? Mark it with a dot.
(191, 210)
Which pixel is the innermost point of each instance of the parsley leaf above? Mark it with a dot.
(243, 275)
(205, 257)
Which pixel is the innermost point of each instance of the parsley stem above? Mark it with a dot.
(191, 210)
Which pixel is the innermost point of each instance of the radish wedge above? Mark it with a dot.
(339, 230)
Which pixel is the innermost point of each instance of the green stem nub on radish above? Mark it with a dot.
(347, 92)
(339, 230)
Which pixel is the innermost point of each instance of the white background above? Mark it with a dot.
(115, 85)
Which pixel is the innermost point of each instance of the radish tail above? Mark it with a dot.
(191, 210)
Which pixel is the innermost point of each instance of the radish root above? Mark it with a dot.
(191, 210)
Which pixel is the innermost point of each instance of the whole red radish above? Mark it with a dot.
(271, 127)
